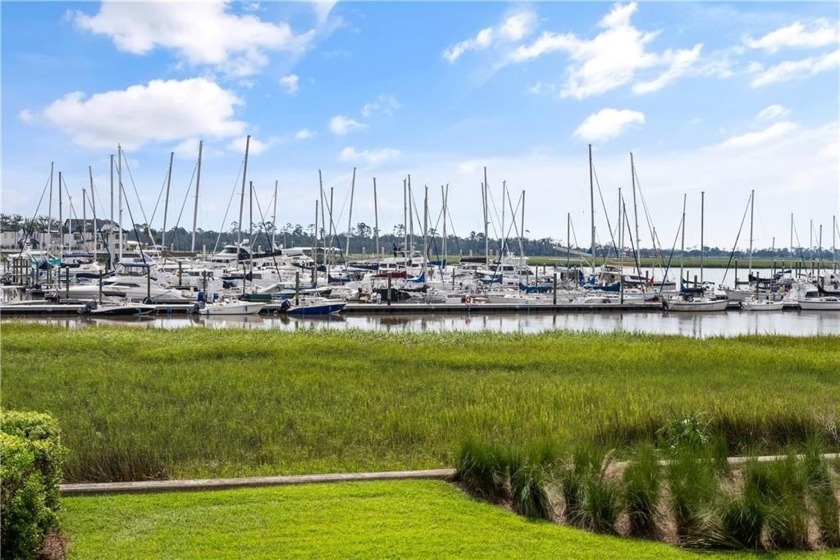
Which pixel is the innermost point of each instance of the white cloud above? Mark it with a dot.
(793, 69)
(370, 157)
(187, 149)
(323, 8)
(680, 61)
(385, 104)
(513, 28)
(607, 124)
(161, 110)
(341, 125)
(304, 134)
(290, 83)
(612, 58)
(819, 33)
(26, 116)
(200, 33)
(760, 137)
(772, 113)
(255, 147)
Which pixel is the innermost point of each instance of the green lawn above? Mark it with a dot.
(410, 519)
(194, 403)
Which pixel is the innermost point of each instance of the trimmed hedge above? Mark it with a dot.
(31, 456)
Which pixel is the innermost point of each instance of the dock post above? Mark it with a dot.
(297, 288)
(389, 290)
(180, 272)
(67, 282)
(100, 287)
(554, 292)
(149, 282)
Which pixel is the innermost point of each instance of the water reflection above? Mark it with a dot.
(697, 325)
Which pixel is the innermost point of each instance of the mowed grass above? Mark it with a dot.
(138, 404)
(407, 519)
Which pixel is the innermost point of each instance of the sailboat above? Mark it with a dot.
(692, 300)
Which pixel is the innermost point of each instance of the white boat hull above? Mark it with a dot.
(764, 305)
(820, 304)
(244, 308)
(696, 305)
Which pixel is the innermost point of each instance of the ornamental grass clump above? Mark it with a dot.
(782, 485)
(485, 469)
(642, 488)
(823, 497)
(592, 501)
(743, 515)
(694, 488)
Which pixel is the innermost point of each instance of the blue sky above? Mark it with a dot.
(714, 97)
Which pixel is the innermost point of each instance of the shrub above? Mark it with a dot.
(642, 482)
(31, 456)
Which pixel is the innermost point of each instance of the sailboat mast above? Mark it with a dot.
(242, 198)
(166, 201)
(486, 191)
(317, 233)
(405, 221)
(93, 209)
(350, 214)
(568, 240)
(522, 227)
(197, 184)
(60, 216)
(592, 206)
(444, 192)
(315, 241)
(425, 226)
(375, 218)
(752, 205)
(702, 224)
(410, 216)
(120, 198)
(274, 219)
(682, 243)
(49, 214)
(250, 226)
(636, 215)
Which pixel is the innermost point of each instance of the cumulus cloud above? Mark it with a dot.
(255, 147)
(607, 124)
(513, 28)
(341, 125)
(759, 137)
(162, 110)
(304, 134)
(819, 33)
(613, 58)
(200, 33)
(385, 104)
(772, 113)
(370, 157)
(291, 83)
(793, 69)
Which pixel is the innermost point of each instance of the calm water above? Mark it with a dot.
(699, 325)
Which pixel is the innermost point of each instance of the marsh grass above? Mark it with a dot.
(195, 403)
(642, 490)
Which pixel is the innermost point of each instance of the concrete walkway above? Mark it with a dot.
(252, 482)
